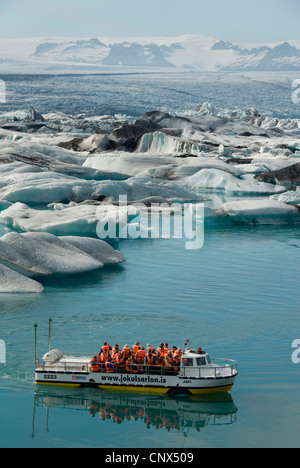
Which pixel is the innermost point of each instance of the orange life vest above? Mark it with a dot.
(140, 355)
(105, 353)
(126, 351)
(160, 361)
(95, 364)
(114, 353)
(135, 349)
(128, 365)
(121, 360)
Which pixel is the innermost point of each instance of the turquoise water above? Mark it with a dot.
(238, 298)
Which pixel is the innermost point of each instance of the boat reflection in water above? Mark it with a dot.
(160, 412)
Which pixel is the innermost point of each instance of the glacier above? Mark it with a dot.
(243, 166)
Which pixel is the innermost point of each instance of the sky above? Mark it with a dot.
(241, 21)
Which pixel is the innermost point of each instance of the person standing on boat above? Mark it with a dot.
(160, 360)
(105, 352)
(126, 351)
(140, 356)
(135, 349)
(115, 352)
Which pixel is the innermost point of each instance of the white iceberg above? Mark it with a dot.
(45, 188)
(42, 254)
(264, 212)
(72, 220)
(218, 180)
(13, 282)
(291, 198)
(96, 248)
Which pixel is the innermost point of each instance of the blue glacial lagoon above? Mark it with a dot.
(238, 297)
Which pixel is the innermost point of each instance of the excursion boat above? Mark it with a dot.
(197, 374)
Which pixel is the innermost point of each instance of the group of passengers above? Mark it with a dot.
(134, 359)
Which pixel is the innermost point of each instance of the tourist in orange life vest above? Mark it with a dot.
(95, 364)
(160, 349)
(151, 361)
(110, 366)
(135, 349)
(105, 351)
(121, 361)
(165, 350)
(178, 352)
(130, 367)
(126, 351)
(115, 352)
(160, 360)
(140, 356)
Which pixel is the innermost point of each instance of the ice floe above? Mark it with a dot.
(41, 254)
(60, 175)
(215, 180)
(13, 282)
(262, 212)
(73, 220)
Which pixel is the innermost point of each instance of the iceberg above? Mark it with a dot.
(290, 198)
(96, 248)
(218, 180)
(264, 212)
(40, 254)
(13, 282)
(65, 220)
(45, 187)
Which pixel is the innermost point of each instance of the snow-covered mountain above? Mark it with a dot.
(184, 52)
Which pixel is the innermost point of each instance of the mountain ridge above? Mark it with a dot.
(193, 52)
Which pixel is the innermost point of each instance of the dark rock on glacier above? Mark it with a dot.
(288, 177)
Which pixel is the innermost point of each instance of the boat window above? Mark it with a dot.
(208, 359)
(187, 362)
(201, 361)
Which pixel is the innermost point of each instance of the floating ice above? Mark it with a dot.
(42, 254)
(263, 212)
(96, 248)
(13, 282)
(291, 198)
(46, 187)
(215, 180)
(73, 220)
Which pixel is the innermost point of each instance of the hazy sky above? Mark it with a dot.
(231, 20)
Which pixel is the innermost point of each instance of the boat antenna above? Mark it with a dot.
(35, 344)
(49, 335)
(187, 342)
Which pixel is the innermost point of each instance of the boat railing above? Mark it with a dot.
(219, 368)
